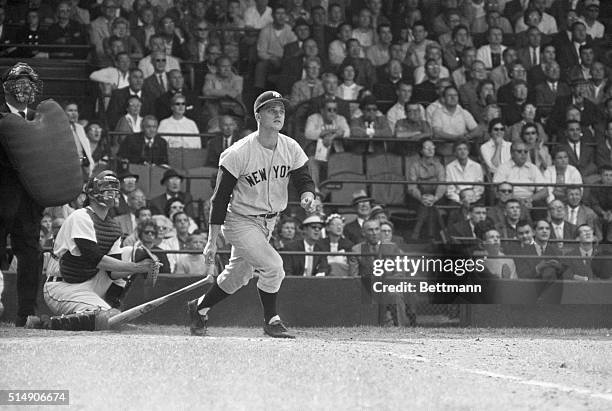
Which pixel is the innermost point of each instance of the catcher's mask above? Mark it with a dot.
(23, 83)
(104, 189)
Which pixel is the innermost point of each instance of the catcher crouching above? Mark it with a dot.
(83, 291)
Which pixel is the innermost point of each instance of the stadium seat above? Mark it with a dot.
(186, 158)
(386, 167)
(200, 187)
(344, 162)
(343, 192)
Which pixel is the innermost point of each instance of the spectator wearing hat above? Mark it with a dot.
(145, 147)
(129, 183)
(172, 180)
(380, 213)
(369, 125)
(306, 265)
(363, 206)
(302, 32)
(590, 14)
(335, 242)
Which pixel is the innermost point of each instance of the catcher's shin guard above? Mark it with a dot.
(85, 321)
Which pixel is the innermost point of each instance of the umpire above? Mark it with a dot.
(20, 215)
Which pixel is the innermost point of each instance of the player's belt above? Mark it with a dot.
(271, 215)
(55, 279)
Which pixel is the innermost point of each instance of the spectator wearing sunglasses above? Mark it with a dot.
(177, 123)
(519, 170)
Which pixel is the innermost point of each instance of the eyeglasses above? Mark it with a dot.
(149, 232)
(202, 29)
(160, 60)
(332, 109)
(499, 128)
(506, 191)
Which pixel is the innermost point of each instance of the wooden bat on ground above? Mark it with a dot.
(139, 310)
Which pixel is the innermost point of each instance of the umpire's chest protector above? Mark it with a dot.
(262, 174)
(43, 154)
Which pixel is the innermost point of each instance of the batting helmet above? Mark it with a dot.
(104, 188)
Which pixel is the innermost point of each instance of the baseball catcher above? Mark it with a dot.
(91, 263)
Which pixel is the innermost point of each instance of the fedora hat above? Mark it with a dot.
(313, 219)
(169, 174)
(360, 196)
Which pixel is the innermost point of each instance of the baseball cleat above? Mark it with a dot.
(197, 321)
(277, 330)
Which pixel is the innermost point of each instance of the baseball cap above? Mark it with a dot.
(269, 97)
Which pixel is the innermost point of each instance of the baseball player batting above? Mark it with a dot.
(251, 190)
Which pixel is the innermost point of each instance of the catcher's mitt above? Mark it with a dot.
(140, 253)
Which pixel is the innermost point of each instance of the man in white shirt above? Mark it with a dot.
(178, 123)
(519, 170)
(463, 169)
(451, 122)
(259, 15)
(156, 43)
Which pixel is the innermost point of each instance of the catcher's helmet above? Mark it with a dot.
(104, 188)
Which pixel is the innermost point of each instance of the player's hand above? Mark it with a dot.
(210, 250)
(307, 202)
(147, 266)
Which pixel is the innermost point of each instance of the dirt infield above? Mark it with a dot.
(153, 367)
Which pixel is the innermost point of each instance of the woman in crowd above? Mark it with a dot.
(177, 123)
(148, 235)
(31, 33)
(538, 152)
(528, 115)
(348, 90)
(100, 146)
(285, 233)
(496, 151)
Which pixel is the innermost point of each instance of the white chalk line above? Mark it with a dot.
(518, 380)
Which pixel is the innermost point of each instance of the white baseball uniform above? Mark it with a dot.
(262, 179)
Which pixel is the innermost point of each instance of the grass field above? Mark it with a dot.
(154, 367)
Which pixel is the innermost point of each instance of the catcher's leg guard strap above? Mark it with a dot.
(85, 321)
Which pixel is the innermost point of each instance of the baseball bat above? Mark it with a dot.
(139, 310)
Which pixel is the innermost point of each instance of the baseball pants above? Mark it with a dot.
(69, 298)
(251, 250)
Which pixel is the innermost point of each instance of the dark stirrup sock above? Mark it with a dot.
(213, 296)
(268, 301)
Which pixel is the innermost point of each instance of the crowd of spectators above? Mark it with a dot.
(472, 92)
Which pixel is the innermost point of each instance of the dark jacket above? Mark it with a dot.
(134, 149)
(158, 204)
(294, 264)
(117, 105)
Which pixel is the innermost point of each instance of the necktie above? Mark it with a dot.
(22, 114)
(577, 151)
(161, 81)
(225, 142)
(573, 216)
(534, 59)
(554, 87)
(308, 262)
